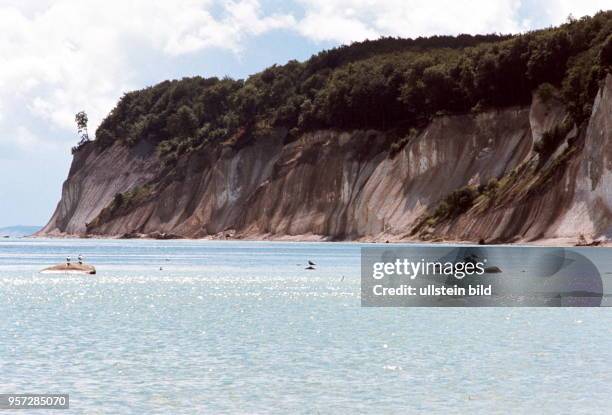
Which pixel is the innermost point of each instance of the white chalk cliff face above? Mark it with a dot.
(355, 185)
(94, 179)
(591, 208)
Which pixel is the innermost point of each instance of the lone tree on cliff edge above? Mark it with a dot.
(81, 121)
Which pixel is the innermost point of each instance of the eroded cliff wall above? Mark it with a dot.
(356, 185)
(95, 177)
(566, 195)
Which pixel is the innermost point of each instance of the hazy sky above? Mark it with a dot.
(59, 57)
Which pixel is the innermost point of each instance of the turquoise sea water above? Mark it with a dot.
(241, 327)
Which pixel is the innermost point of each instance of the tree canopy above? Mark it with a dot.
(382, 84)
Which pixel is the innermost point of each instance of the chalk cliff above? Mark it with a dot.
(352, 185)
(468, 138)
(567, 195)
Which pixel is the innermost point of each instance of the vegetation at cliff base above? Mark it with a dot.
(382, 84)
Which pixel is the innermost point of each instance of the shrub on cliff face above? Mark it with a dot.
(104, 138)
(605, 56)
(384, 84)
(456, 203)
(117, 201)
(548, 143)
(129, 198)
(121, 203)
(546, 92)
(551, 140)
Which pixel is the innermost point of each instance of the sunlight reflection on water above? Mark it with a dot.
(243, 327)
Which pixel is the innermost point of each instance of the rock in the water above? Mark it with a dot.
(69, 269)
(492, 270)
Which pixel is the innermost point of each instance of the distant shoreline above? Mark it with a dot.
(16, 231)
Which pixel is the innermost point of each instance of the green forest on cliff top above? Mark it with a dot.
(387, 84)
